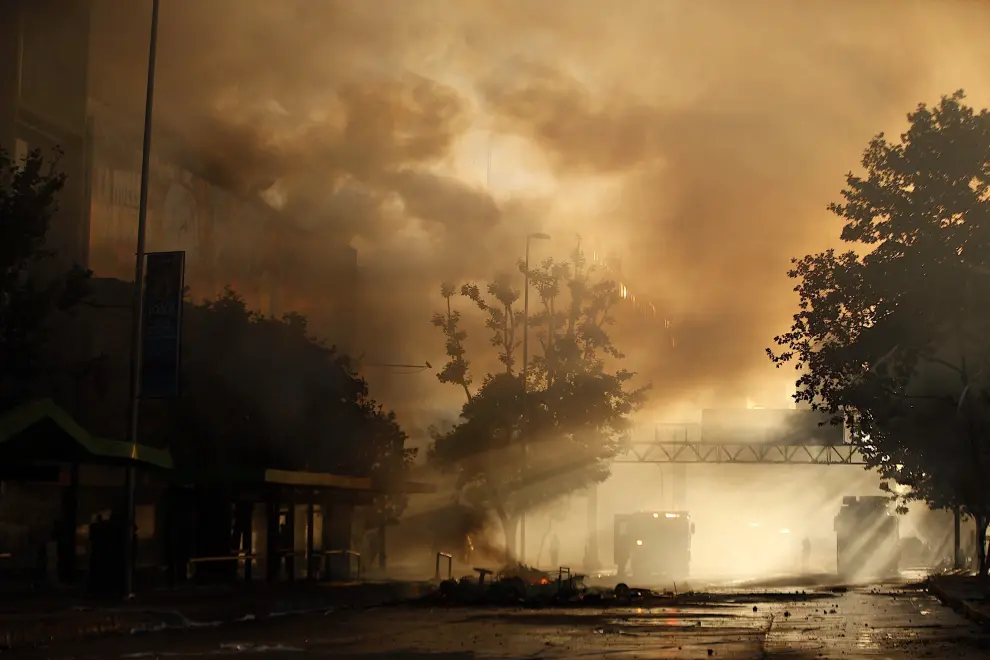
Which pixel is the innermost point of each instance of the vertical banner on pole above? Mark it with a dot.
(162, 325)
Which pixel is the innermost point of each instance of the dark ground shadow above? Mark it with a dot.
(406, 655)
(568, 619)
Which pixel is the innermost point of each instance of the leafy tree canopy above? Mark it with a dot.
(527, 439)
(260, 392)
(891, 335)
(29, 295)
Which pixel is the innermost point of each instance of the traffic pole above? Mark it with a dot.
(130, 480)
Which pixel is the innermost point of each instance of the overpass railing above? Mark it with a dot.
(740, 453)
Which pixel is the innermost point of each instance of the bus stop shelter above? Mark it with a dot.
(288, 524)
(51, 457)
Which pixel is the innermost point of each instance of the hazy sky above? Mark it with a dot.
(699, 141)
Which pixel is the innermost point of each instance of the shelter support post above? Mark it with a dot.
(272, 556)
(957, 558)
(247, 540)
(287, 545)
(310, 541)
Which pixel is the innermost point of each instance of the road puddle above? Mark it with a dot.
(868, 640)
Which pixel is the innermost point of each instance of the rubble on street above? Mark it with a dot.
(524, 586)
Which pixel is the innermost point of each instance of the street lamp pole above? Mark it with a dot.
(137, 309)
(525, 375)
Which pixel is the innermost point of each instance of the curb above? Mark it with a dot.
(79, 625)
(961, 606)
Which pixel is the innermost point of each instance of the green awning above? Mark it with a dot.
(41, 431)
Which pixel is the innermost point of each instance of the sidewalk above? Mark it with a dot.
(965, 594)
(68, 617)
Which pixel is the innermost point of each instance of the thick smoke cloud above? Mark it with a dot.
(715, 133)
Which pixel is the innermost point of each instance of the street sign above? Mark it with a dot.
(161, 330)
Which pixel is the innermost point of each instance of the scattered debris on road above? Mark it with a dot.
(524, 586)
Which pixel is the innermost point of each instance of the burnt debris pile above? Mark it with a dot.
(520, 585)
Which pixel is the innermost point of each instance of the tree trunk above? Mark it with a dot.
(510, 527)
(382, 524)
(543, 541)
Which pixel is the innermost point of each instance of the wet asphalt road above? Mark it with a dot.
(871, 623)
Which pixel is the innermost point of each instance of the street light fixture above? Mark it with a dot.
(385, 365)
(539, 236)
(359, 364)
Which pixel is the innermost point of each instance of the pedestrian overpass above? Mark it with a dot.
(684, 444)
(679, 445)
(731, 437)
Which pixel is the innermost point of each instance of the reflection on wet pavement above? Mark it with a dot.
(868, 624)
(861, 623)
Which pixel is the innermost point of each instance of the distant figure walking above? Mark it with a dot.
(805, 554)
(554, 552)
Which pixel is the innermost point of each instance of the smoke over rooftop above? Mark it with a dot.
(699, 141)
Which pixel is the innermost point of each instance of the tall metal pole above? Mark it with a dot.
(137, 309)
(591, 558)
(525, 375)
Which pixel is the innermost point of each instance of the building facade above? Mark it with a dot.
(48, 85)
(44, 55)
(46, 102)
(230, 239)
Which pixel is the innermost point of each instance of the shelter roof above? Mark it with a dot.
(39, 430)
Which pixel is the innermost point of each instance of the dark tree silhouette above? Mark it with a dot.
(30, 296)
(260, 393)
(263, 392)
(892, 339)
(519, 447)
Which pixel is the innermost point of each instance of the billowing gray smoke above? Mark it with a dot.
(714, 133)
